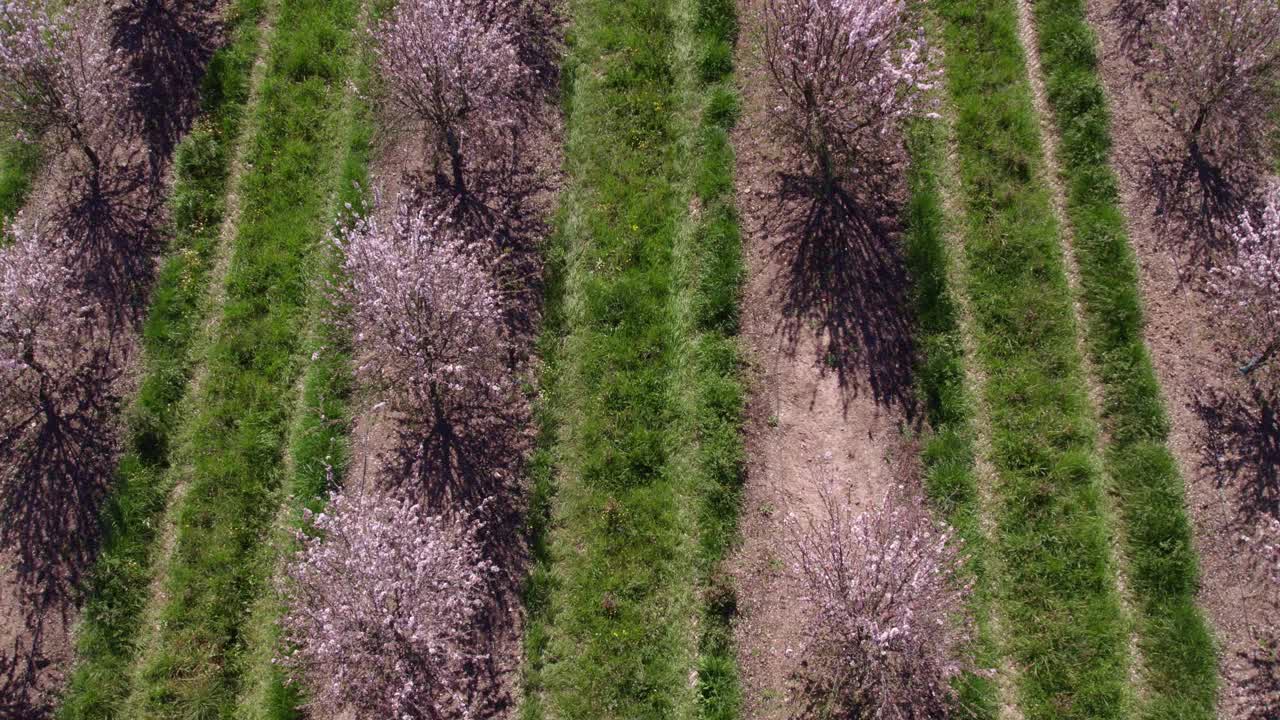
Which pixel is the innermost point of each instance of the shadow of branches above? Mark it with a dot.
(846, 282)
(59, 455)
(501, 207)
(108, 230)
(1260, 689)
(20, 667)
(169, 44)
(1198, 198)
(1241, 448)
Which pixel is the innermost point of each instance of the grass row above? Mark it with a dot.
(949, 453)
(319, 440)
(1177, 650)
(117, 590)
(1065, 628)
(708, 275)
(640, 395)
(233, 449)
(19, 163)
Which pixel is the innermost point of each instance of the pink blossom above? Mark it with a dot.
(1247, 287)
(1211, 75)
(452, 68)
(427, 315)
(888, 618)
(59, 76)
(381, 605)
(847, 73)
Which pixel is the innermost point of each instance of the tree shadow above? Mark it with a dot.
(1134, 21)
(59, 452)
(846, 283)
(821, 696)
(107, 227)
(168, 44)
(1241, 447)
(469, 457)
(486, 688)
(21, 666)
(1260, 689)
(501, 208)
(1198, 198)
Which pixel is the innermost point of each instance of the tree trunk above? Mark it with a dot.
(1262, 359)
(455, 160)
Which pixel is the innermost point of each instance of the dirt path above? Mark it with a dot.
(828, 358)
(1195, 376)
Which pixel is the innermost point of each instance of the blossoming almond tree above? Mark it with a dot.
(56, 404)
(427, 319)
(381, 603)
(60, 80)
(847, 73)
(451, 67)
(1247, 286)
(888, 606)
(1213, 74)
(426, 313)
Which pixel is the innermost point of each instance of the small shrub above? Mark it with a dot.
(888, 607)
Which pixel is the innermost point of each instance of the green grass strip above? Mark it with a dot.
(19, 163)
(949, 452)
(236, 438)
(1177, 650)
(319, 439)
(708, 275)
(1065, 628)
(117, 591)
(616, 602)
